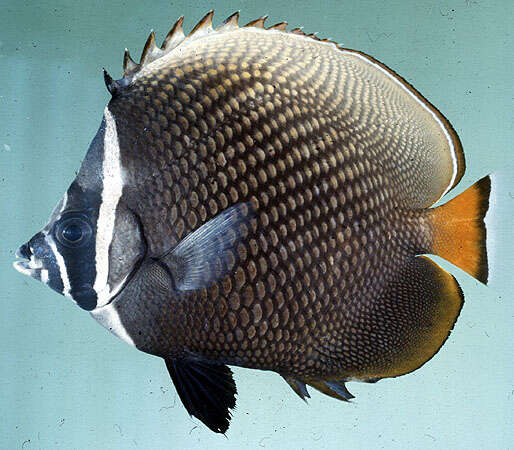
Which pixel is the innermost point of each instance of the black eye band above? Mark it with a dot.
(73, 232)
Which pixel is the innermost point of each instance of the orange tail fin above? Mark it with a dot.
(460, 231)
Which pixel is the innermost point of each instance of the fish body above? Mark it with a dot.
(261, 198)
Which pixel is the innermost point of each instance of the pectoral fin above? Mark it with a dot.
(207, 254)
(207, 391)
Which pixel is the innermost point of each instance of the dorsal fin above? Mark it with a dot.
(204, 26)
(230, 23)
(129, 65)
(282, 26)
(176, 37)
(257, 23)
(150, 51)
(112, 86)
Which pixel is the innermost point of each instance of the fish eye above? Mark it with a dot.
(73, 232)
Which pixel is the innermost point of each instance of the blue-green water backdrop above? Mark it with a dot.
(66, 383)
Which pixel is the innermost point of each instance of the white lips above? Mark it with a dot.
(23, 267)
(33, 267)
(33, 263)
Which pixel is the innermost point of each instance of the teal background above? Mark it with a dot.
(66, 383)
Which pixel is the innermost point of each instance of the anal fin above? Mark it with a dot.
(340, 389)
(332, 388)
(410, 321)
(207, 391)
(298, 387)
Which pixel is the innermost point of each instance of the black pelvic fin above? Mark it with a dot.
(112, 85)
(207, 391)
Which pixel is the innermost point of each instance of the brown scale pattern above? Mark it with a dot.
(311, 139)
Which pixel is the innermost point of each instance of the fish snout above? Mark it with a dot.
(39, 247)
(28, 263)
(24, 251)
(33, 257)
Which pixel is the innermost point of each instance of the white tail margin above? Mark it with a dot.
(499, 222)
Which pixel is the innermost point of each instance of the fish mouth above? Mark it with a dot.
(28, 264)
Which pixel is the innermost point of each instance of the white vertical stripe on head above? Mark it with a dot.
(108, 317)
(61, 264)
(112, 186)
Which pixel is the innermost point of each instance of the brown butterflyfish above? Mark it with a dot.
(261, 197)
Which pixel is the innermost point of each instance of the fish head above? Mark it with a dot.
(92, 242)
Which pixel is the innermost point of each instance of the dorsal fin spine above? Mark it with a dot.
(230, 23)
(203, 26)
(257, 23)
(176, 36)
(129, 65)
(150, 51)
(282, 26)
(112, 86)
